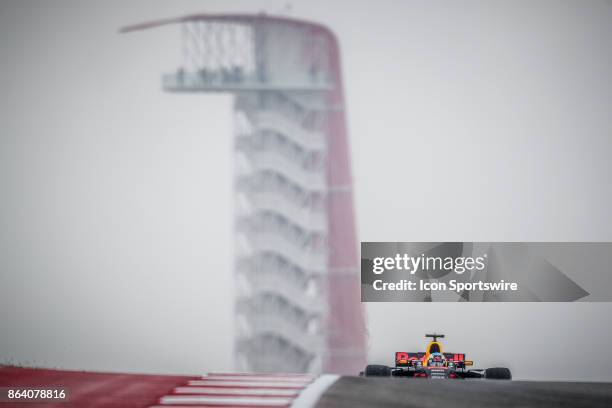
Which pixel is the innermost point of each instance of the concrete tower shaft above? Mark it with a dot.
(297, 303)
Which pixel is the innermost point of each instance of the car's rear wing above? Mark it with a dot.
(455, 357)
(405, 359)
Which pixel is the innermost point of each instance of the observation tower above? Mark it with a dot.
(296, 268)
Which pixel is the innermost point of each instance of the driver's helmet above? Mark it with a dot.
(436, 360)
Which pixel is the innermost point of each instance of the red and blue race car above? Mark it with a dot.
(435, 364)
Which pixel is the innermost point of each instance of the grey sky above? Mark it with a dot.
(471, 120)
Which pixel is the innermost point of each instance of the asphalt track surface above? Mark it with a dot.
(396, 392)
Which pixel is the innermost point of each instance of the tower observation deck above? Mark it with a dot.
(297, 276)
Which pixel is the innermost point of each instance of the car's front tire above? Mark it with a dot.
(376, 370)
(498, 373)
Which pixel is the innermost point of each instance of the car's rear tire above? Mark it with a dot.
(376, 370)
(498, 373)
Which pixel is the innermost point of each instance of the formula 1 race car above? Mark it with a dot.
(435, 364)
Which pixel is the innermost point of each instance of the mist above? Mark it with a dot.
(468, 121)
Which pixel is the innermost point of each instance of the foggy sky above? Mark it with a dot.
(468, 121)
